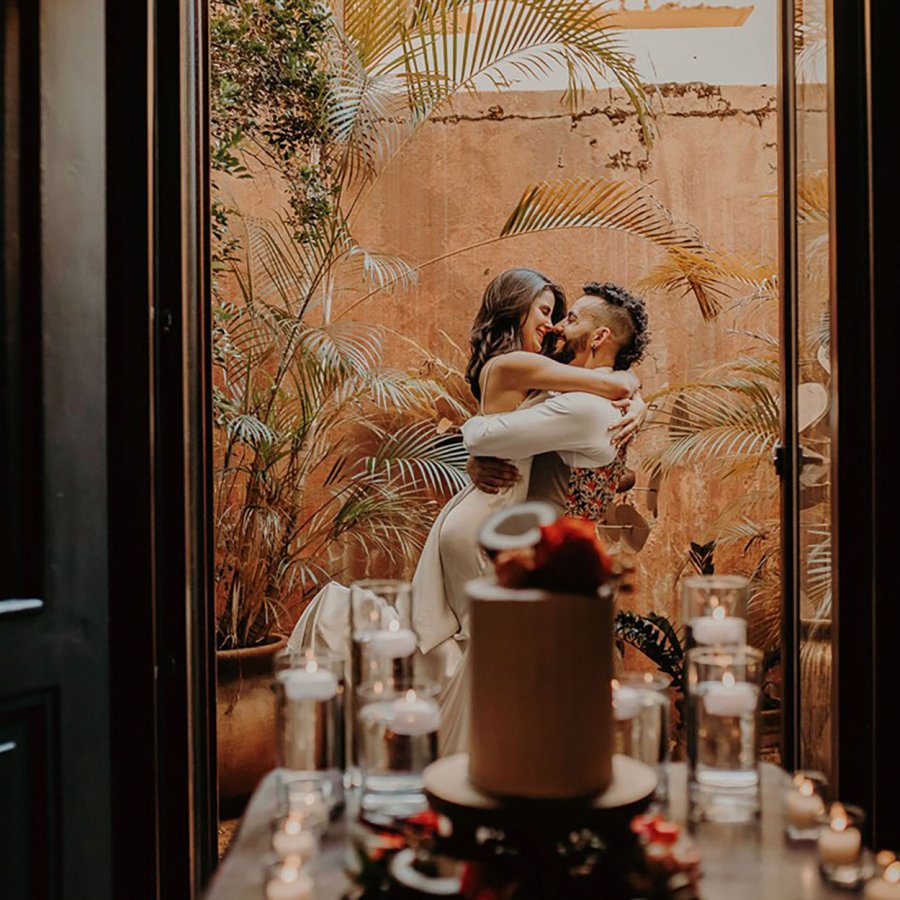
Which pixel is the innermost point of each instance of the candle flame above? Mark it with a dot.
(806, 788)
(714, 601)
(312, 666)
(648, 677)
(290, 872)
(615, 684)
(885, 857)
(410, 696)
(293, 825)
(378, 687)
(892, 873)
(838, 817)
(393, 625)
(719, 613)
(728, 679)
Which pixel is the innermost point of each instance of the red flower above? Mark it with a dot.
(570, 558)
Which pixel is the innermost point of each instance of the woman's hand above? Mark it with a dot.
(634, 414)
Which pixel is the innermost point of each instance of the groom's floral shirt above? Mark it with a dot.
(591, 491)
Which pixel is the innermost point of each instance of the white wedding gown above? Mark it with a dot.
(440, 617)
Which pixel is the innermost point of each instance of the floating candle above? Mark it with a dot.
(392, 642)
(885, 886)
(295, 839)
(414, 715)
(309, 683)
(290, 883)
(804, 807)
(729, 697)
(719, 628)
(839, 843)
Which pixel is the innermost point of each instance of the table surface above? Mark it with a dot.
(739, 862)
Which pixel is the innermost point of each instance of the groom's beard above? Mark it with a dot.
(565, 351)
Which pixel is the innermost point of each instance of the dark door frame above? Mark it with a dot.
(865, 325)
(159, 449)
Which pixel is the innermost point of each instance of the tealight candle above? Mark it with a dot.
(392, 642)
(839, 843)
(309, 683)
(729, 697)
(626, 702)
(719, 628)
(414, 715)
(804, 807)
(289, 883)
(294, 839)
(885, 886)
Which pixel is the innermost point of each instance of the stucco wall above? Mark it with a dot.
(713, 163)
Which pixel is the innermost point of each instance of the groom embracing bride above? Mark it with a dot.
(558, 403)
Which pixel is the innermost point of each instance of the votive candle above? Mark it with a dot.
(839, 843)
(885, 886)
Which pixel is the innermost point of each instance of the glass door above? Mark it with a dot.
(807, 356)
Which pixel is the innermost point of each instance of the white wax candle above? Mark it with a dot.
(803, 806)
(728, 697)
(290, 884)
(626, 703)
(839, 843)
(719, 629)
(309, 683)
(293, 839)
(885, 886)
(414, 715)
(391, 643)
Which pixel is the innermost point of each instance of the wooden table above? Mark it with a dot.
(740, 862)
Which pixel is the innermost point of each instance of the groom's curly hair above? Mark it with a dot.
(627, 318)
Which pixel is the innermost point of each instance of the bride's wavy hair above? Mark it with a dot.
(504, 308)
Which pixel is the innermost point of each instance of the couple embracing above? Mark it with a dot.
(558, 403)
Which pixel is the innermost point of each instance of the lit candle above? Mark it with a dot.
(719, 628)
(804, 806)
(309, 683)
(291, 883)
(885, 886)
(626, 702)
(293, 839)
(839, 843)
(728, 697)
(414, 715)
(392, 642)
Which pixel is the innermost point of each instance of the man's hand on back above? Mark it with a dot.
(634, 412)
(491, 475)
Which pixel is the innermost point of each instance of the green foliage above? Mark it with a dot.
(656, 638)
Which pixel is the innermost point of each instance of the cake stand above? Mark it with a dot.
(550, 838)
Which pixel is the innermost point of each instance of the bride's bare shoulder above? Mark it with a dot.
(519, 360)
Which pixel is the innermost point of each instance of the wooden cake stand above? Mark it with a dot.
(470, 810)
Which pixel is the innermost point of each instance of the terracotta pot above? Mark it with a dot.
(245, 718)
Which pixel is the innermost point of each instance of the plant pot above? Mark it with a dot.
(245, 719)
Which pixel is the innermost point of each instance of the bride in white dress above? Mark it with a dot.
(506, 370)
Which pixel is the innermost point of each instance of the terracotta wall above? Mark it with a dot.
(713, 163)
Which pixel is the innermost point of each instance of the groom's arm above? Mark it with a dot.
(576, 422)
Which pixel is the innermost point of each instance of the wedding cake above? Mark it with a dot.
(541, 662)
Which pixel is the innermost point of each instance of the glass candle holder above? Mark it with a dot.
(288, 879)
(885, 885)
(804, 806)
(397, 735)
(839, 844)
(295, 837)
(724, 686)
(715, 609)
(641, 715)
(310, 721)
(381, 626)
(304, 796)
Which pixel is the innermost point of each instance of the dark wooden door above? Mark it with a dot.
(54, 698)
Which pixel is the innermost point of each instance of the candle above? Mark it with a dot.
(414, 715)
(290, 884)
(293, 839)
(728, 697)
(885, 886)
(839, 843)
(804, 806)
(392, 642)
(626, 702)
(309, 683)
(719, 628)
